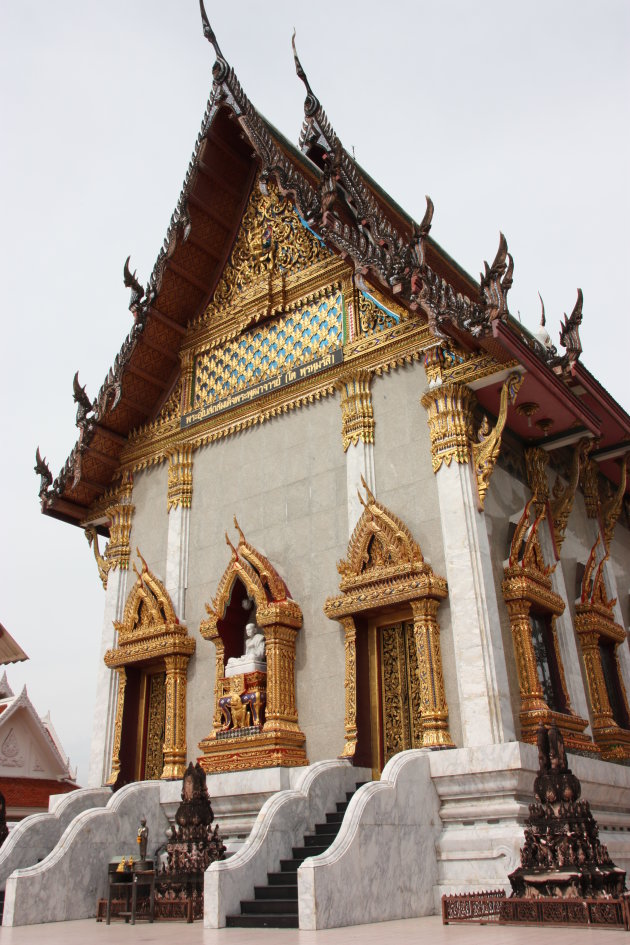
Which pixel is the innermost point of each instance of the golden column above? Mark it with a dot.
(120, 706)
(435, 733)
(119, 514)
(350, 687)
(532, 699)
(600, 703)
(449, 415)
(281, 712)
(175, 718)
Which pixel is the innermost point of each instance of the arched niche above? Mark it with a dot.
(255, 722)
(533, 607)
(151, 660)
(600, 638)
(389, 600)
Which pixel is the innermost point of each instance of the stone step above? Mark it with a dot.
(320, 839)
(328, 829)
(288, 878)
(262, 921)
(291, 866)
(300, 853)
(277, 891)
(335, 818)
(269, 906)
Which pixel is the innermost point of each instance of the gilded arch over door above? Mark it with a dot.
(150, 633)
(385, 568)
(279, 741)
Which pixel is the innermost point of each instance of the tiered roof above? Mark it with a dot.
(342, 205)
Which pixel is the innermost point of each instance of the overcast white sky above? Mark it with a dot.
(512, 116)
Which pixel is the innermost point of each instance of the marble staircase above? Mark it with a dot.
(275, 905)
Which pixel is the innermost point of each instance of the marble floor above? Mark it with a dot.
(402, 932)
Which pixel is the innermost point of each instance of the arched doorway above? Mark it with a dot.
(151, 660)
(393, 674)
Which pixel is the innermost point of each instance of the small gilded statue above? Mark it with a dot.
(142, 838)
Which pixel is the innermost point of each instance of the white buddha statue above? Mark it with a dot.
(253, 659)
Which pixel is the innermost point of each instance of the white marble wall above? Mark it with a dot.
(69, 881)
(35, 836)
(177, 559)
(106, 683)
(382, 864)
(281, 824)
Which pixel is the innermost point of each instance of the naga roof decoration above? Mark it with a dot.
(354, 218)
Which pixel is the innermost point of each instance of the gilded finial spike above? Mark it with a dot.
(368, 491)
(239, 529)
(208, 32)
(361, 499)
(145, 566)
(230, 545)
(425, 226)
(543, 321)
(311, 103)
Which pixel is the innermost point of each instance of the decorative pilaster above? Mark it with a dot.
(281, 709)
(529, 685)
(180, 477)
(120, 513)
(187, 362)
(120, 708)
(435, 733)
(485, 709)
(350, 686)
(113, 564)
(357, 434)
(175, 717)
(180, 483)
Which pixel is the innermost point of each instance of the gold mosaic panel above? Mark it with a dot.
(269, 350)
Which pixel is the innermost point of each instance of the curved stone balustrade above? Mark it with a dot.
(281, 824)
(68, 882)
(382, 864)
(35, 836)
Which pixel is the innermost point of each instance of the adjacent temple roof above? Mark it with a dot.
(10, 651)
(349, 211)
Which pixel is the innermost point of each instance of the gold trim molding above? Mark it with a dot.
(384, 568)
(527, 590)
(357, 414)
(281, 741)
(595, 624)
(150, 632)
(180, 477)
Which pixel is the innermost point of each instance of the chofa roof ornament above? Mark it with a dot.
(220, 68)
(137, 292)
(570, 333)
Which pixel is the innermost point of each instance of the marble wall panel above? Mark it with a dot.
(149, 523)
(285, 482)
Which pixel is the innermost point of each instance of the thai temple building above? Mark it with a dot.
(355, 524)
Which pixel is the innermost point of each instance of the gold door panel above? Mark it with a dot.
(400, 712)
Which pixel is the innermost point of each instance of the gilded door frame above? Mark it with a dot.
(385, 570)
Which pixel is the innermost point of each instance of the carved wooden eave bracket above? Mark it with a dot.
(596, 629)
(485, 452)
(563, 496)
(385, 568)
(611, 507)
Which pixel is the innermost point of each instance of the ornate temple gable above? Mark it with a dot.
(348, 212)
(593, 590)
(150, 628)
(28, 746)
(384, 564)
(261, 581)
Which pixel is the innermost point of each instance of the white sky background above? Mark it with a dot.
(512, 116)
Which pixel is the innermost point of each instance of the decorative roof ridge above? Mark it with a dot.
(22, 701)
(316, 127)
